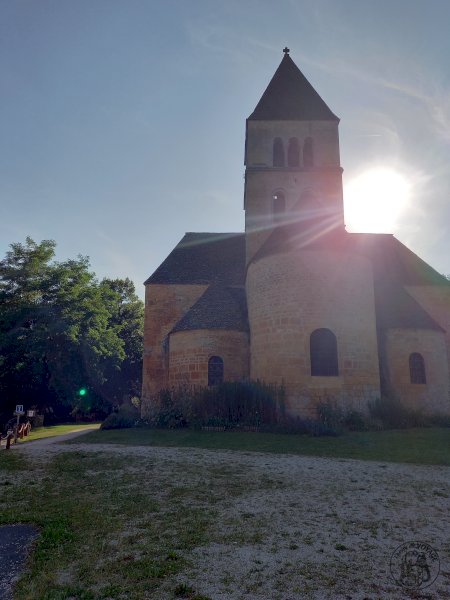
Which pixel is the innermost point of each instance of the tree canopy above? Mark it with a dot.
(62, 331)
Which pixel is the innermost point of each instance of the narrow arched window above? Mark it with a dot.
(293, 154)
(323, 351)
(278, 152)
(308, 153)
(417, 368)
(278, 206)
(215, 370)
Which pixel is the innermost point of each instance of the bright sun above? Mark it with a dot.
(375, 200)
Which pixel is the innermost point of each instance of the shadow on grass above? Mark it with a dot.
(418, 446)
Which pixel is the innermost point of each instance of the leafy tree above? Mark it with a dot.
(126, 318)
(62, 331)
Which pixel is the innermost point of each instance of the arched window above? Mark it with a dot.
(215, 370)
(278, 206)
(278, 152)
(417, 368)
(293, 154)
(323, 350)
(308, 153)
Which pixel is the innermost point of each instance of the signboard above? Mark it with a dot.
(19, 409)
(31, 413)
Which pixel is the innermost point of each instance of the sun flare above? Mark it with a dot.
(375, 200)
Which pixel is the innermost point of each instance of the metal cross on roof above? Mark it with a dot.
(286, 50)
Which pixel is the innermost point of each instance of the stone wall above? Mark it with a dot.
(260, 187)
(291, 295)
(432, 397)
(190, 351)
(164, 307)
(324, 179)
(435, 299)
(260, 136)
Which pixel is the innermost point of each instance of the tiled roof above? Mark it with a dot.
(290, 96)
(202, 258)
(394, 266)
(219, 308)
(393, 261)
(218, 259)
(395, 308)
(324, 232)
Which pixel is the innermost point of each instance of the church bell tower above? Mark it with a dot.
(293, 174)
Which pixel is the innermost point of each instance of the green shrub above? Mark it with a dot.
(316, 428)
(168, 411)
(127, 416)
(330, 417)
(337, 420)
(37, 421)
(259, 406)
(394, 415)
(439, 420)
(237, 404)
(229, 405)
(355, 421)
(240, 405)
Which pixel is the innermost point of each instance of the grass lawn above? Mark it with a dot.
(54, 430)
(129, 524)
(419, 446)
(111, 526)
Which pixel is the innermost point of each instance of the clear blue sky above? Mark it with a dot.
(122, 122)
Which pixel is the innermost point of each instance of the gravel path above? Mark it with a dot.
(309, 520)
(16, 540)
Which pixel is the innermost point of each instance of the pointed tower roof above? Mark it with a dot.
(290, 97)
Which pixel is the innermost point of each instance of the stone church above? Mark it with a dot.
(297, 300)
